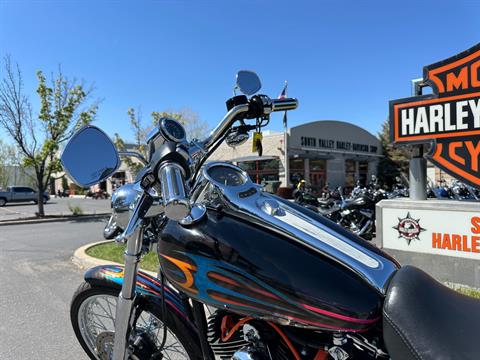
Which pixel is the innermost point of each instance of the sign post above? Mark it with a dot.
(418, 164)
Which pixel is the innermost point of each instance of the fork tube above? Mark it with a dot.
(127, 295)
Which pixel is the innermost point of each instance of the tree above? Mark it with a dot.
(195, 129)
(39, 137)
(395, 159)
(194, 126)
(8, 160)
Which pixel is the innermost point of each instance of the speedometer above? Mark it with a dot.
(172, 130)
(226, 175)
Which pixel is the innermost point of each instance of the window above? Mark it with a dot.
(318, 174)
(297, 170)
(261, 170)
(23, 190)
(363, 172)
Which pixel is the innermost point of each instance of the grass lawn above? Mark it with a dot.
(468, 291)
(113, 252)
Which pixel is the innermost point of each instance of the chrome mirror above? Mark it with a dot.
(236, 137)
(90, 157)
(248, 82)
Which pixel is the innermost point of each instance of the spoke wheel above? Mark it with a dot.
(93, 319)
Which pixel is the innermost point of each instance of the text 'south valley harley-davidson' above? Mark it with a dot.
(278, 281)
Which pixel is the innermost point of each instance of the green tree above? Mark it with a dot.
(65, 186)
(195, 129)
(8, 159)
(395, 160)
(62, 110)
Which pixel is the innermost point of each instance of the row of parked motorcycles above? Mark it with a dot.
(356, 211)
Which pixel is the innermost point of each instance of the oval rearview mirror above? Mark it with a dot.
(90, 157)
(248, 82)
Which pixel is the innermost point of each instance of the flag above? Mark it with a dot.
(282, 96)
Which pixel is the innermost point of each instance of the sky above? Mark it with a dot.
(344, 60)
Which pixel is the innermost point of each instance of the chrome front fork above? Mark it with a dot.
(133, 236)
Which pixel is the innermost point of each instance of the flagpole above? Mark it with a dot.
(286, 162)
(285, 141)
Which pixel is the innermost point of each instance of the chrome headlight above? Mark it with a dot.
(124, 200)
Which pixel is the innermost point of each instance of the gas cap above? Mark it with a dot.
(271, 207)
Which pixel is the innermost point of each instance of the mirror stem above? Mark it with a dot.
(135, 155)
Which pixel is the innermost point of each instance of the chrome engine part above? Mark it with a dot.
(250, 353)
(223, 350)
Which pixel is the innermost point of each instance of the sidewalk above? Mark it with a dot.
(57, 209)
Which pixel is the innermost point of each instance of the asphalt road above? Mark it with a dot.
(56, 206)
(37, 280)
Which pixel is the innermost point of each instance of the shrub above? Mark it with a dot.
(76, 210)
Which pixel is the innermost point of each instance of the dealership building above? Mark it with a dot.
(321, 152)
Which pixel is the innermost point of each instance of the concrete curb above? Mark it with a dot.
(84, 261)
(56, 219)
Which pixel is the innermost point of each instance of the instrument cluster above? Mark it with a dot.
(226, 175)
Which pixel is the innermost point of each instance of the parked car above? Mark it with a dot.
(21, 194)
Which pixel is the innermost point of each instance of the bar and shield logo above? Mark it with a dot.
(449, 118)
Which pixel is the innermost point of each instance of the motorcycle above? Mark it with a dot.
(357, 213)
(276, 280)
(330, 199)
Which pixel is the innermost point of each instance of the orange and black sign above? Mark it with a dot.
(449, 118)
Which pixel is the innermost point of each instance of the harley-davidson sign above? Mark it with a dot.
(449, 118)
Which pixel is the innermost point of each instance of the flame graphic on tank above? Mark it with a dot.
(218, 283)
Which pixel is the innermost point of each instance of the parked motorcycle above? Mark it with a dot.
(99, 194)
(329, 199)
(456, 190)
(357, 213)
(282, 282)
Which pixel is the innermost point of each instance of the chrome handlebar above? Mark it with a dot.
(174, 192)
(225, 124)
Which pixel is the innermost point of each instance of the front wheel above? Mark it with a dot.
(92, 312)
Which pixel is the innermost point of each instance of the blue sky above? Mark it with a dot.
(343, 59)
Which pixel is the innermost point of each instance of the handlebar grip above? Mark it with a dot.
(284, 104)
(174, 193)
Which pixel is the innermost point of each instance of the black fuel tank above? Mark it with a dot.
(226, 261)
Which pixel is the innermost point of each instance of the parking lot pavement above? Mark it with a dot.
(56, 206)
(37, 281)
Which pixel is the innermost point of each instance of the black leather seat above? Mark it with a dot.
(424, 320)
